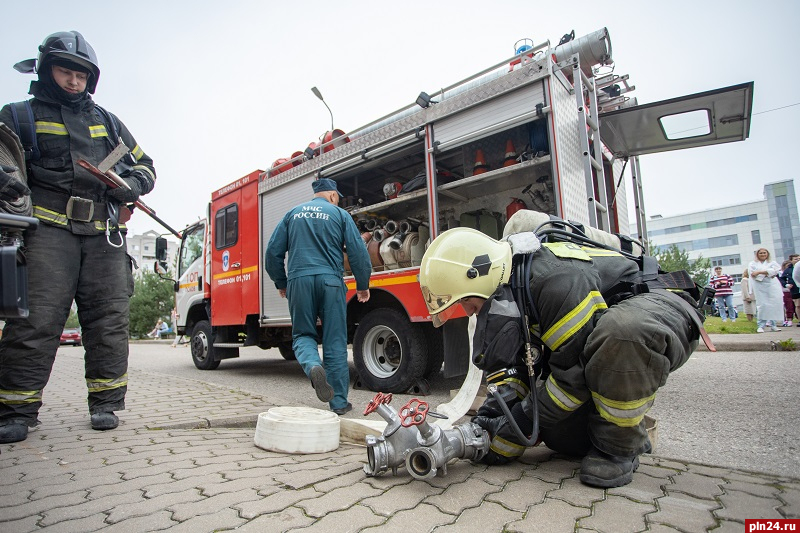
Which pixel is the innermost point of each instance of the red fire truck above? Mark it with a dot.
(551, 129)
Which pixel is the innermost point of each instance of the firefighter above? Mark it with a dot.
(606, 346)
(78, 252)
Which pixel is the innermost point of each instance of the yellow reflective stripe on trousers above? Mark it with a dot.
(52, 128)
(50, 216)
(506, 448)
(560, 397)
(98, 385)
(17, 397)
(623, 414)
(565, 328)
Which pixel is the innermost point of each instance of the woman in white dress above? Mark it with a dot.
(748, 297)
(769, 293)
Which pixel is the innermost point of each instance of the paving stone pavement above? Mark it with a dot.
(183, 459)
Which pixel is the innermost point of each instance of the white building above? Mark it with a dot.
(730, 236)
(143, 249)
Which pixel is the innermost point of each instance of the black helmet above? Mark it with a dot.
(64, 45)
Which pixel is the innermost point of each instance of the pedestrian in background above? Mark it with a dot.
(769, 293)
(173, 317)
(723, 285)
(748, 296)
(787, 280)
(788, 303)
(78, 251)
(314, 235)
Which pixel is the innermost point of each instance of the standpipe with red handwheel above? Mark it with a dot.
(424, 448)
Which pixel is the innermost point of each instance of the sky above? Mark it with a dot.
(215, 90)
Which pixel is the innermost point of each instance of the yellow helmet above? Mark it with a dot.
(461, 263)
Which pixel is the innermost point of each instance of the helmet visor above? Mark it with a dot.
(441, 306)
(439, 319)
(436, 303)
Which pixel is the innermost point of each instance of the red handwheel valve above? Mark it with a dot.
(413, 413)
(379, 399)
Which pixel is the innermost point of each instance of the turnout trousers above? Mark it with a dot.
(629, 355)
(321, 296)
(62, 267)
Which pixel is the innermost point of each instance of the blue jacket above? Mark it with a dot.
(315, 234)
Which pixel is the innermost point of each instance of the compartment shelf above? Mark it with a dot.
(456, 189)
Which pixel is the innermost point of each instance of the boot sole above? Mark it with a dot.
(320, 383)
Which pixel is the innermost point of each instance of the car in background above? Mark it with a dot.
(71, 336)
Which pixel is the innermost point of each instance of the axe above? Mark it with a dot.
(104, 173)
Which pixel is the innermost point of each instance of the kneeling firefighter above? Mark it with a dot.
(601, 332)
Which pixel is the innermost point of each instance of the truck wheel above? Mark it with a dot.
(390, 354)
(435, 339)
(287, 352)
(202, 346)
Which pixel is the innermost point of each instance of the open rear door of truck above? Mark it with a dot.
(711, 117)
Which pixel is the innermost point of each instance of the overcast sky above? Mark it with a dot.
(215, 90)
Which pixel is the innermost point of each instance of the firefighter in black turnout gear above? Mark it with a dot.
(606, 343)
(78, 252)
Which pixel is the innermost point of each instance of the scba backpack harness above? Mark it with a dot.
(25, 128)
(24, 125)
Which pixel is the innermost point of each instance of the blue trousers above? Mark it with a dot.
(725, 306)
(321, 296)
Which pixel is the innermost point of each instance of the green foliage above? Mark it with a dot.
(153, 298)
(788, 345)
(673, 258)
(72, 319)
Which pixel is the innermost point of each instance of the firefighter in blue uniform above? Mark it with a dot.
(314, 234)
(609, 347)
(78, 252)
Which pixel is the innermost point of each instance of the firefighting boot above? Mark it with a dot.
(600, 469)
(104, 420)
(14, 431)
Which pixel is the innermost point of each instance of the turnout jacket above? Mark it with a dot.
(568, 283)
(571, 287)
(65, 134)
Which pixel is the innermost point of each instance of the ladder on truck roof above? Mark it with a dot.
(588, 122)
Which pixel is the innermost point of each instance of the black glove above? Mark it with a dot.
(11, 189)
(127, 196)
(506, 446)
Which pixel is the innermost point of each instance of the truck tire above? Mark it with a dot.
(389, 352)
(202, 346)
(435, 340)
(287, 352)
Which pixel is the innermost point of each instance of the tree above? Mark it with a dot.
(673, 258)
(153, 298)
